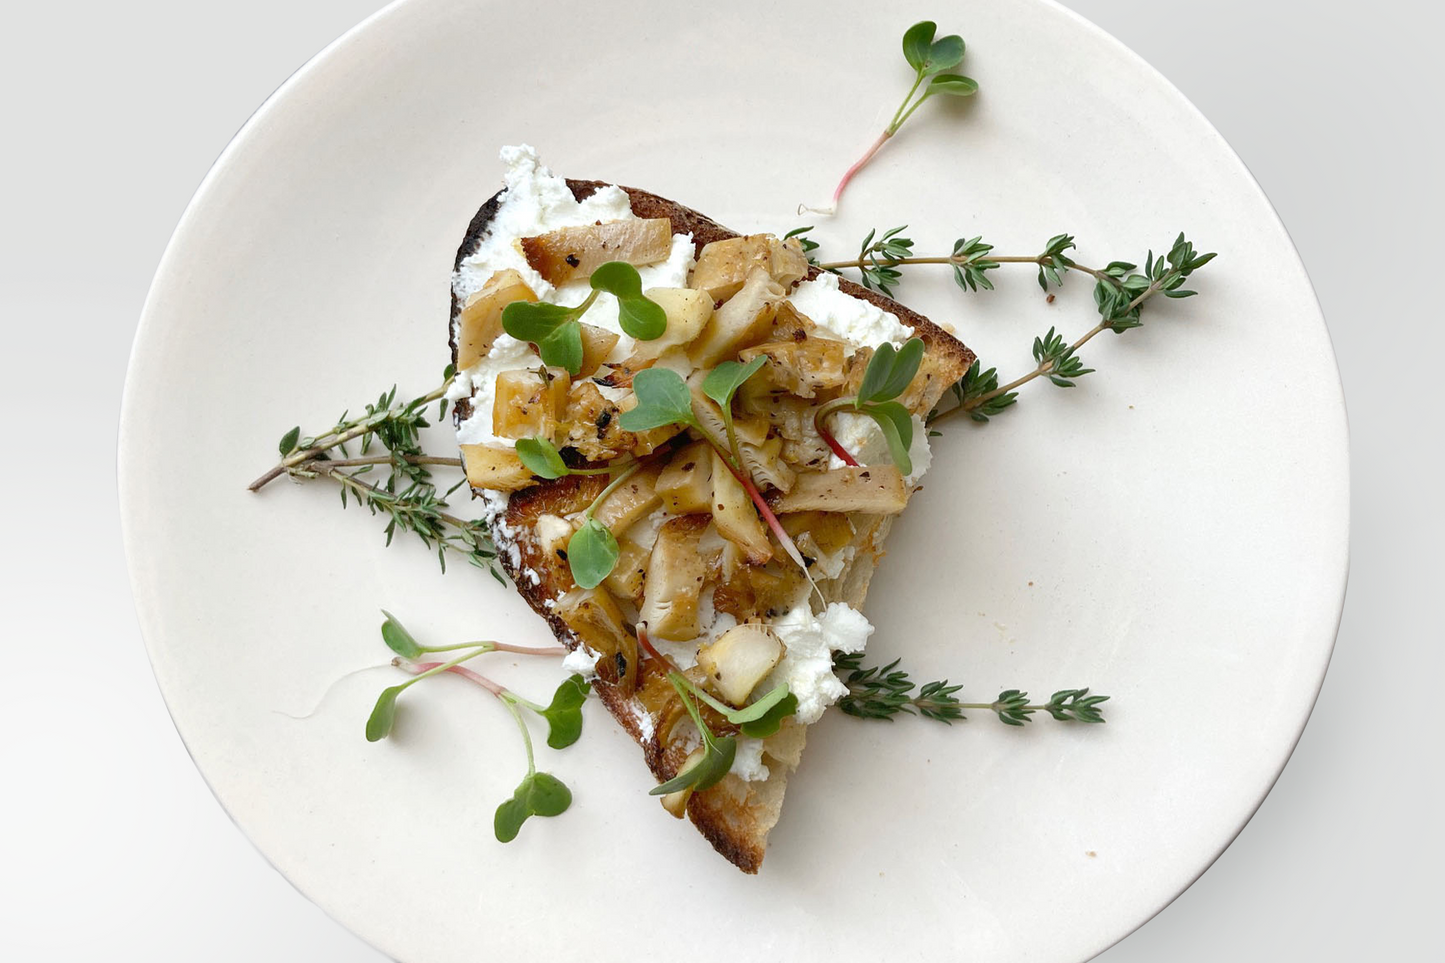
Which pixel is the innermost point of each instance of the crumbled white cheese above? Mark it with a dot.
(645, 727)
(534, 202)
(807, 665)
(860, 323)
(748, 763)
(861, 437)
(683, 654)
(581, 660)
(504, 536)
(644, 530)
(831, 566)
(551, 529)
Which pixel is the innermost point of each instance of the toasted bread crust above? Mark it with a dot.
(734, 816)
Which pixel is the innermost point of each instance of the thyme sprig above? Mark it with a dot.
(971, 259)
(1120, 292)
(396, 426)
(408, 497)
(884, 692)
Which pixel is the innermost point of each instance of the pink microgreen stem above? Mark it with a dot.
(648, 647)
(820, 424)
(838, 449)
(860, 164)
(418, 668)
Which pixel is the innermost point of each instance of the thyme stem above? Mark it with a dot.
(1037, 259)
(315, 464)
(339, 436)
(1044, 368)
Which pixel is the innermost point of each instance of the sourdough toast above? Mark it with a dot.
(736, 814)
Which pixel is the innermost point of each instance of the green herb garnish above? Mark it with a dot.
(408, 497)
(539, 793)
(889, 373)
(718, 751)
(929, 58)
(722, 383)
(542, 459)
(882, 693)
(662, 399)
(758, 719)
(592, 551)
(1120, 291)
(557, 330)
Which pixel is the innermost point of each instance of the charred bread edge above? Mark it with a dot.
(710, 823)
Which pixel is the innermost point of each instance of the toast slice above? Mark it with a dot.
(664, 538)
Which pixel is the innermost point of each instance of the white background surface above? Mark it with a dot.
(114, 848)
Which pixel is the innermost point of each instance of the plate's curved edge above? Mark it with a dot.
(259, 117)
(124, 425)
(1344, 575)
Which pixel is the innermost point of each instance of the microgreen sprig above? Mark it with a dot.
(718, 751)
(929, 58)
(889, 373)
(884, 692)
(557, 330)
(539, 793)
(758, 719)
(592, 551)
(542, 459)
(722, 383)
(663, 399)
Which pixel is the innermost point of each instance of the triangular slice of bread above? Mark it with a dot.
(736, 814)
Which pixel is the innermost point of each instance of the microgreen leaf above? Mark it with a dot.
(548, 796)
(662, 399)
(592, 553)
(708, 771)
(619, 279)
(955, 85)
(943, 53)
(564, 713)
(723, 381)
(383, 715)
(896, 423)
(534, 321)
(398, 639)
(552, 328)
(512, 814)
(758, 719)
(718, 753)
(288, 441)
(877, 372)
(541, 457)
(639, 317)
(539, 794)
(890, 371)
(772, 720)
(916, 41)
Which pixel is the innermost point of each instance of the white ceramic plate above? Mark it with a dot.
(1172, 532)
